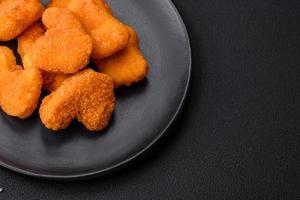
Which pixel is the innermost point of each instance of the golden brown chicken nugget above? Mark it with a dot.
(108, 33)
(51, 81)
(87, 96)
(127, 66)
(64, 48)
(19, 89)
(17, 15)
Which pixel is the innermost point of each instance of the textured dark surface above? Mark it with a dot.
(239, 134)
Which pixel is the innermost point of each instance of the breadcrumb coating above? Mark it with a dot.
(20, 88)
(127, 66)
(87, 96)
(28, 37)
(17, 15)
(64, 48)
(109, 35)
(51, 81)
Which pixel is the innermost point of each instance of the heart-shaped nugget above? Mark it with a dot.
(19, 88)
(108, 33)
(87, 96)
(17, 15)
(51, 81)
(64, 48)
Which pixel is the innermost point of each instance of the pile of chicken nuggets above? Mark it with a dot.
(56, 43)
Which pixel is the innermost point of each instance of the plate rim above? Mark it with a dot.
(124, 163)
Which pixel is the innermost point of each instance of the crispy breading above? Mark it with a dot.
(106, 6)
(127, 66)
(17, 15)
(7, 60)
(87, 96)
(59, 3)
(108, 33)
(64, 48)
(51, 81)
(28, 37)
(19, 88)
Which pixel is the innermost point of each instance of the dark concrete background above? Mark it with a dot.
(238, 136)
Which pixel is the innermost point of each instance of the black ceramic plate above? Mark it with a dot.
(143, 112)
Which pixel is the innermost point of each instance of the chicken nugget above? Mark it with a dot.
(51, 81)
(64, 48)
(17, 15)
(87, 96)
(127, 66)
(108, 33)
(19, 88)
